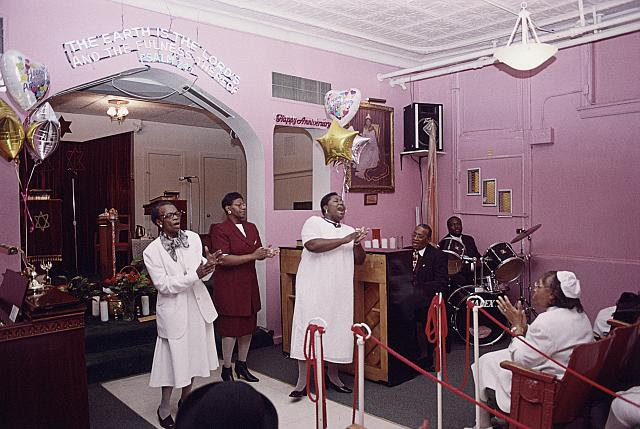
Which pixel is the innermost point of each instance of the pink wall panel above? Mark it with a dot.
(581, 185)
(617, 75)
(484, 107)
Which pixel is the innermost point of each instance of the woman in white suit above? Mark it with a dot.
(557, 331)
(186, 346)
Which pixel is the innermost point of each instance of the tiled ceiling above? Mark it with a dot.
(402, 33)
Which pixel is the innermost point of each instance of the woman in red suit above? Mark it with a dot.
(235, 291)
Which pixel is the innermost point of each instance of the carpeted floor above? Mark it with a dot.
(108, 412)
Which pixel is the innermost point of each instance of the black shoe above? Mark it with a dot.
(167, 422)
(298, 393)
(341, 389)
(243, 372)
(227, 374)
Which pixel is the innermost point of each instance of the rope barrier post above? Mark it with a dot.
(360, 380)
(439, 357)
(320, 392)
(476, 358)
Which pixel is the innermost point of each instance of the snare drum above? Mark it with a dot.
(455, 251)
(488, 331)
(503, 262)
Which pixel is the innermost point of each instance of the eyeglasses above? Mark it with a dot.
(539, 285)
(176, 215)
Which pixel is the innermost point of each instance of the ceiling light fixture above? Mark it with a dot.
(526, 55)
(117, 110)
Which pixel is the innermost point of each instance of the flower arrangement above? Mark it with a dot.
(130, 282)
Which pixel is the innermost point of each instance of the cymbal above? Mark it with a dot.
(526, 233)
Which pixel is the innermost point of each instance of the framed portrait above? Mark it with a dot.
(489, 192)
(374, 172)
(370, 199)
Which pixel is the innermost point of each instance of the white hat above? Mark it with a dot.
(569, 284)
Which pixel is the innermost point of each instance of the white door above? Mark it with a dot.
(221, 176)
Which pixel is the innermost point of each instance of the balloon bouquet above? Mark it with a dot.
(27, 82)
(342, 146)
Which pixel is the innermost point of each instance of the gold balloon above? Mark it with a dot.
(337, 143)
(6, 110)
(11, 133)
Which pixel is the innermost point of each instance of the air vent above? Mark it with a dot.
(298, 88)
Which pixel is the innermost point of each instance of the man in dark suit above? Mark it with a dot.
(465, 276)
(430, 277)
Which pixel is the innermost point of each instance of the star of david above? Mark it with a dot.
(42, 221)
(74, 160)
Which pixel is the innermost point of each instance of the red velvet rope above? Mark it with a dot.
(569, 370)
(431, 331)
(310, 356)
(358, 330)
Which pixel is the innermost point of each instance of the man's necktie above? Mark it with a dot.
(416, 256)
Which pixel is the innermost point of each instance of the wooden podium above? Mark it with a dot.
(382, 290)
(42, 366)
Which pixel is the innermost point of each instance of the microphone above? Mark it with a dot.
(183, 178)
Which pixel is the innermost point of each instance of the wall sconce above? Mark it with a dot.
(117, 110)
(525, 55)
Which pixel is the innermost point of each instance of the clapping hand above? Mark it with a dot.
(515, 315)
(272, 252)
(361, 234)
(209, 267)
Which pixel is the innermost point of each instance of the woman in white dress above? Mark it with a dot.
(324, 289)
(370, 155)
(557, 331)
(186, 346)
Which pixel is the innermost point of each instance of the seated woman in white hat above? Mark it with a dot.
(556, 332)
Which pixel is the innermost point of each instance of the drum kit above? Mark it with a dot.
(493, 273)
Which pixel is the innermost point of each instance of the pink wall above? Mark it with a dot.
(583, 187)
(253, 58)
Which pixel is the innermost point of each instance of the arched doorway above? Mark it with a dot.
(151, 85)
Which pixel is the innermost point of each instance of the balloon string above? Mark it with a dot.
(25, 196)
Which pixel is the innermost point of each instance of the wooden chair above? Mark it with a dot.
(541, 400)
(123, 241)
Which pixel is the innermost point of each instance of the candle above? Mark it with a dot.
(104, 311)
(392, 243)
(367, 244)
(95, 306)
(375, 244)
(418, 216)
(384, 243)
(144, 299)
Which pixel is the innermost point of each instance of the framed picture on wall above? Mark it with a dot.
(473, 181)
(370, 199)
(374, 172)
(504, 201)
(489, 192)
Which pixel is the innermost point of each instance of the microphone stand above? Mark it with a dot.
(75, 224)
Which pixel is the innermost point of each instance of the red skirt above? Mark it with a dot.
(236, 326)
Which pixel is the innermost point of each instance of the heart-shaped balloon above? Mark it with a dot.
(342, 105)
(27, 81)
(11, 132)
(42, 139)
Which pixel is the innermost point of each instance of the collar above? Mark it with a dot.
(335, 224)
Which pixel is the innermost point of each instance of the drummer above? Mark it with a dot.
(465, 276)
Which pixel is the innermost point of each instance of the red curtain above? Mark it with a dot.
(102, 170)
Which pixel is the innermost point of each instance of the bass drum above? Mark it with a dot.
(503, 262)
(488, 331)
(455, 252)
